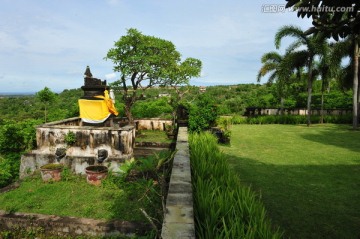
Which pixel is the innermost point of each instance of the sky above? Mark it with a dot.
(49, 43)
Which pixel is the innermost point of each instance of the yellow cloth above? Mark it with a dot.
(97, 111)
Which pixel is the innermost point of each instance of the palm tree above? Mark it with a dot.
(313, 45)
(281, 69)
(325, 69)
(272, 65)
(348, 75)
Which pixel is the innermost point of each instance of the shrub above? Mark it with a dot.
(154, 108)
(291, 119)
(70, 138)
(203, 114)
(224, 208)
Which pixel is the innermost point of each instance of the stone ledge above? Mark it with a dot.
(179, 215)
(71, 226)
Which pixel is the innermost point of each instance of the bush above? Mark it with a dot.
(291, 119)
(202, 114)
(9, 168)
(154, 108)
(15, 138)
(223, 207)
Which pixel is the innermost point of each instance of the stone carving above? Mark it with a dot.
(102, 155)
(60, 153)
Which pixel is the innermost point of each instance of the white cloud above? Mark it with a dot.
(110, 76)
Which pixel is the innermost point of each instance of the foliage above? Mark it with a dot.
(9, 168)
(70, 138)
(224, 208)
(46, 96)
(152, 108)
(291, 119)
(144, 61)
(118, 198)
(340, 20)
(203, 114)
(16, 137)
(6, 175)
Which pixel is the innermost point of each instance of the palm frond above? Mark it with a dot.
(288, 30)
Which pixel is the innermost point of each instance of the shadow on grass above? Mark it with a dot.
(339, 136)
(307, 201)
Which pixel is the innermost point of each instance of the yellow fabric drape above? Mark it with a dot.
(97, 111)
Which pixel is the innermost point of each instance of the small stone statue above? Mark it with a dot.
(102, 155)
(60, 153)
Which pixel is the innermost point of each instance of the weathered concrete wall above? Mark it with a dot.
(70, 226)
(88, 139)
(118, 141)
(152, 124)
(179, 216)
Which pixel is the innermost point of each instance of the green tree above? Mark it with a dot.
(280, 69)
(46, 96)
(313, 45)
(145, 61)
(341, 20)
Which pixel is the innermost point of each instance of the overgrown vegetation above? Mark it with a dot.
(224, 208)
(135, 195)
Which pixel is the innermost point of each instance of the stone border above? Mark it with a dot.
(179, 215)
(70, 226)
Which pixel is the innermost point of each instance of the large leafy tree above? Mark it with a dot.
(145, 61)
(314, 45)
(336, 19)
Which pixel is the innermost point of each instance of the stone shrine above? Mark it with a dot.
(77, 142)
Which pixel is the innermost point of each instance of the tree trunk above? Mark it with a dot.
(356, 84)
(128, 114)
(322, 106)
(282, 100)
(309, 85)
(45, 113)
(129, 102)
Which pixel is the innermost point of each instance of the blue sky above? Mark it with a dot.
(50, 42)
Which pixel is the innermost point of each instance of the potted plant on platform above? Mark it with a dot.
(51, 172)
(96, 173)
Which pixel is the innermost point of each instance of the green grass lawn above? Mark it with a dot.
(75, 197)
(153, 136)
(308, 177)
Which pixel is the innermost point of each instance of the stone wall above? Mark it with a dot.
(70, 226)
(179, 216)
(118, 141)
(152, 124)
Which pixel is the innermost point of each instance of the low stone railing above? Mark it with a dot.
(179, 215)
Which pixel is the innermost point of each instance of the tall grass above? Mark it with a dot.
(224, 208)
